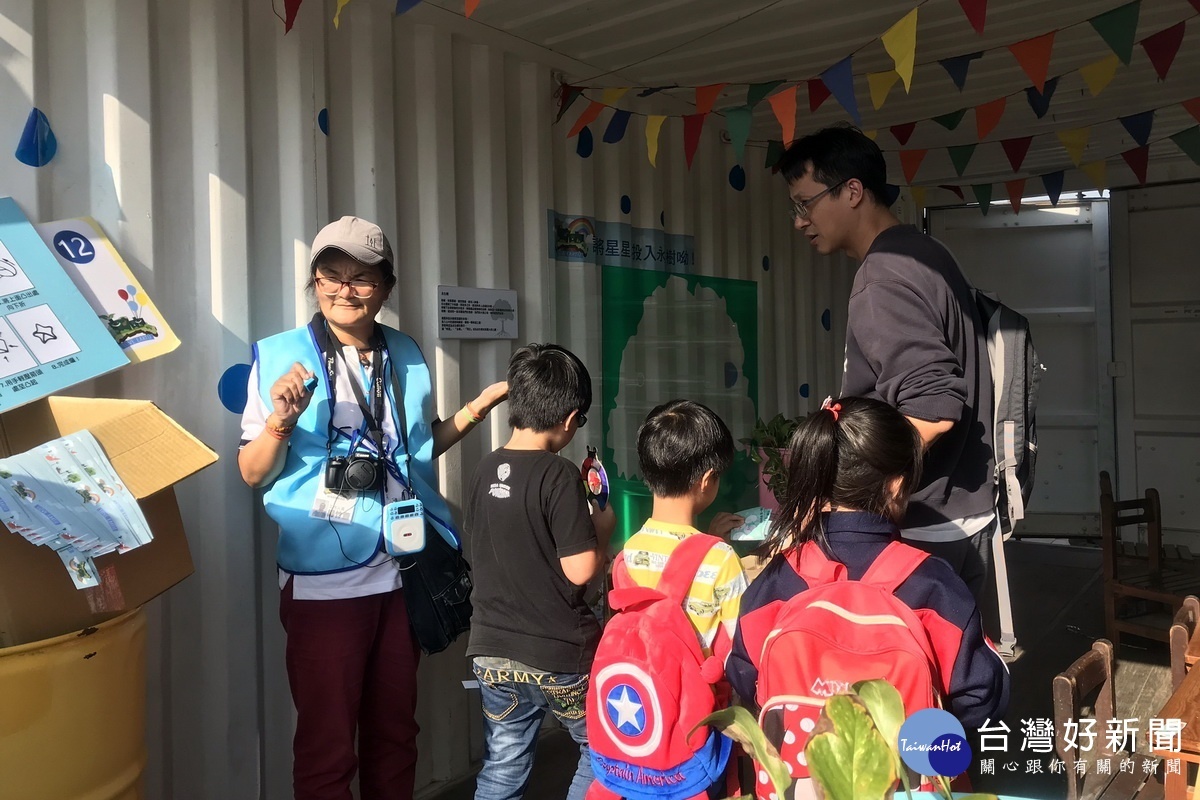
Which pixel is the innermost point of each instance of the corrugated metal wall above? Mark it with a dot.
(188, 128)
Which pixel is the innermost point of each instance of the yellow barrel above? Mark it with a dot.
(73, 715)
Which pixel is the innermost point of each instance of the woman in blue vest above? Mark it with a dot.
(339, 422)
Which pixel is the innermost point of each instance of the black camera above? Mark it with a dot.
(358, 473)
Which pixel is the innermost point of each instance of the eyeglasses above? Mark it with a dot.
(580, 420)
(801, 208)
(332, 287)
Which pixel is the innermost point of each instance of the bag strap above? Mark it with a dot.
(893, 566)
(814, 567)
(683, 564)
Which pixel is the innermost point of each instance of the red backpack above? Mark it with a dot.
(650, 684)
(839, 632)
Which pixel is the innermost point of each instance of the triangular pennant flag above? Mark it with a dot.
(706, 96)
(1074, 141)
(1099, 74)
(1016, 149)
(406, 5)
(881, 84)
(871, 134)
(903, 132)
(612, 94)
(37, 144)
(774, 153)
(784, 105)
(1097, 171)
(1193, 106)
(758, 91)
(1138, 159)
(1139, 126)
(649, 90)
(900, 42)
(976, 11)
(960, 156)
(1195, 5)
(955, 190)
(958, 67)
(1117, 28)
(1162, 47)
(818, 93)
(290, 8)
(840, 80)
(1040, 101)
(1034, 57)
(1189, 142)
(469, 7)
(693, 124)
(983, 196)
(987, 116)
(586, 118)
(737, 122)
(950, 121)
(1016, 190)
(918, 195)
(337, 13)
(615, 131)
(654, 124)
(1053, 184)
(567, 95)
(910, 161)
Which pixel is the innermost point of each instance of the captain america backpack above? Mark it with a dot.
(650, 684)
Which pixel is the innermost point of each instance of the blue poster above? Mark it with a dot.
(49, 336)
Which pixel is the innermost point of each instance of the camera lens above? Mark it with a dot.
(363, 474)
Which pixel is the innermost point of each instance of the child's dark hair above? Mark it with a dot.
(844, 456)
(545, 384)
(679, 442)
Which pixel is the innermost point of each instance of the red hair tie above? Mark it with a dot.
(832, 408)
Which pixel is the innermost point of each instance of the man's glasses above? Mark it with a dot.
(332, 287)
(801, 208)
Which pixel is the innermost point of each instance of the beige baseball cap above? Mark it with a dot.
(361, 240)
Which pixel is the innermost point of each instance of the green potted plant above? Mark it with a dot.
(767, 444)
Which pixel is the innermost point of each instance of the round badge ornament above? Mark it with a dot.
(933, 742)
(595, 478)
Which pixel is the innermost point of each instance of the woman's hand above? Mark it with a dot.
(490, 397)
(288, 395)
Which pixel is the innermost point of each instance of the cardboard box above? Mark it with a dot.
(151, 453)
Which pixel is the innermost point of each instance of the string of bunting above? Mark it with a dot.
(292, 7)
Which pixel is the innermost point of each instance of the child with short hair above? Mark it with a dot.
(534, 543)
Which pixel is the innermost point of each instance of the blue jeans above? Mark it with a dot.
(515, 700)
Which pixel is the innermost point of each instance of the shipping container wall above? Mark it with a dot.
(194, 131)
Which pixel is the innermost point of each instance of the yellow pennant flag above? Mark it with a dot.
(1097, 76)
(900, 41)
(871, 134)
(881, 83)
(338, 13)
(654, 123)
(918, 196)
(611, 94)
(1098, 172)
(1074, 141)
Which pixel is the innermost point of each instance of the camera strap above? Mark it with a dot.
(372, 413)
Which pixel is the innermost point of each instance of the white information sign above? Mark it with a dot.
(467, 313)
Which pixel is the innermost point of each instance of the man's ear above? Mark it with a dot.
(857, 192)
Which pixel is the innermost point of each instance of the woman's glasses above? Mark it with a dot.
(332, 287)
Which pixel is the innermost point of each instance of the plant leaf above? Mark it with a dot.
(740, 725)
(886, 708)
(851, 762)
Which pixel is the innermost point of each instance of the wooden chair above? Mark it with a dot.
(1183, 627)
(1092, 674)
(1137, 573)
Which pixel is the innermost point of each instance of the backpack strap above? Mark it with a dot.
(894, 565)
(683, 564)
(814, 567)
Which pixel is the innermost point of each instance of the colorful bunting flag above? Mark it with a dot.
(983, 196)
(976, 11)
(1118, 28)
(960, 156)
(1189, 142)
(737, 122)
(987, 116)
(1053, 184)
(1097, 171)
(900, 42)
(1074, 141)
(1193, 105)
(584, 144)
(567, 95)
(693, 124)
(615, 131)
(1040, 101)
(910, 162)
(918, 195)
(958, 67)
(840, 80)
(1139, 126)
(903, 132)
(818, 93)
(1016, 149)
(956, 190)
(649, 90)
(38, 144)
(612, 94)
(406, 5)
(1138, 159)
(1034, 57)
(337, 13)
(1099, 74)
(469, 7)
(654, 123)
(586, 118)
(1016, 191)
(706, 96)
(784, 105)
(950, 121)
(871, 134)
(758, 91)
(774, 153)
(881, 84)
(1162, 47)
(290, 8)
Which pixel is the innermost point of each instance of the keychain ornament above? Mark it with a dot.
(595, 478)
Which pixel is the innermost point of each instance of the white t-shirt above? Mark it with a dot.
(380, 574)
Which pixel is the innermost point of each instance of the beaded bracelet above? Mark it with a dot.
(280, 431)
(472, 417)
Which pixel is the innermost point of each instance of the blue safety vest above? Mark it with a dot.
(310, 546)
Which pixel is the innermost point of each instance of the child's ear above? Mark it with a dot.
(570, 417)
(709, 481)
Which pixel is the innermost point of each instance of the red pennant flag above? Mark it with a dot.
(290, 7)
(903, 132)
(469, 7)
(586, 118)
(818, 93)
(976, 11)
(1138, 159)
(1162, 47)
(1193, 105)
(1016, 149)
(706, 96)
(911, 160)
(957, 190)
(987, 116)
(784, 105)
(1195, 5)
(692, 125)
(1034, 57)
(1016, 190)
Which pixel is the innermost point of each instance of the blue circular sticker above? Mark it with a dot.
(626, 204)
(232, 388)
(74, 247)
(933, 742)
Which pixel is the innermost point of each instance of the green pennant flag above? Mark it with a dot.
(950, 121)
(960, 156)
(983, 195)
(774, 153)
(758, 91)
(1118, 28)
(737, 122)
(1189, 142)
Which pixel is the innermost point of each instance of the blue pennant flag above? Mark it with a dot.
(1053, 183)
(1139, 126)
(958, 66)
(1040, 101)
(406, 5)
(615, 131)
(840, 81)
(38, 143)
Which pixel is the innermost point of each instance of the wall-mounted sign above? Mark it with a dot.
(467, 313)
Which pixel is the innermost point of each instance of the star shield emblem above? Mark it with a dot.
(632, 717)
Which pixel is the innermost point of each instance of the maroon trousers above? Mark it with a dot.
(352, 666)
